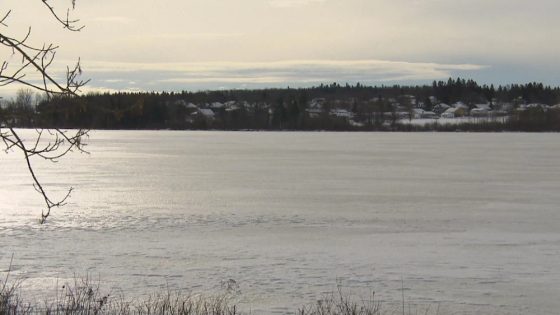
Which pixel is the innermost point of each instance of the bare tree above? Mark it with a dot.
(32, 69)
(24, 99)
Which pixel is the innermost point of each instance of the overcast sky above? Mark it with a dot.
(209, 44)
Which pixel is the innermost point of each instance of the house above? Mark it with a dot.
(479, 112)
(248, 105)
(217, 105)
(355, 123)
(543, 107)
(506, 107)
(440, 108)
(207, 113)
(232, 108)
(429, 114)
(341, 113)
(417, 113)
(314, 112)
(482, 110)
(464, 108)
(191, 107)
(499, 113)
(449, 113)
(453, 112)
(202, 117)
(405, 115)
(485, 107)
(317, 103)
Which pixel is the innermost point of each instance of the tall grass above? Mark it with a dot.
(84, 297)
(341, 304)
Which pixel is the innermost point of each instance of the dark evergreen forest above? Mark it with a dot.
(527, 107)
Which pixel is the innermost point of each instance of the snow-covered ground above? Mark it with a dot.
(452, 121)
(469, 222)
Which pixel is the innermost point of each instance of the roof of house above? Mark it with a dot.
(479, 110)
(217, 105)
(483, 106)
(460, 105)
(341, 112)
(206, 112)
(452, 110)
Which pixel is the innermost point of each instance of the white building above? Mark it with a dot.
(206, 113)
(341, 113)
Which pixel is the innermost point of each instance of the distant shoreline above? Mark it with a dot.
(455, 105)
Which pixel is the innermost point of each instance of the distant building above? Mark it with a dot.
(314, 112)
(454, 112)
(217, 105)
(505, 107)
(417, 112)
(486, 107)
(429, 114)
(480, 112)
(207, 113)
(317, 103)
(544, 107)
(462, 106)
(341, 113)
(440, 108)
(191, 105)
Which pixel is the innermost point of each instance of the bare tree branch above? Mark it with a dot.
(33, 71)
(68, 23)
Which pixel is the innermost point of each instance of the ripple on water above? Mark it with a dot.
(135, 223)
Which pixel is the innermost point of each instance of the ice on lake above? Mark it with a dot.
(470, 222)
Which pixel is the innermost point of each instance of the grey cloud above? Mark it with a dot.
(292, 3)
(184, 76)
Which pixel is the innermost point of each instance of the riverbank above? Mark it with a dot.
(86, 297)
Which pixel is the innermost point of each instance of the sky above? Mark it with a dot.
(174, 45)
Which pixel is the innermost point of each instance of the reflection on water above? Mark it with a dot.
(470, 220)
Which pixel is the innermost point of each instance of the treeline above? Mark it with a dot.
(341, 107)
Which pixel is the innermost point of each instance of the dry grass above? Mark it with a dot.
(341, 304)
(84, 297)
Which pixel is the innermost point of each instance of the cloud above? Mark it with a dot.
(292, 3)
(211, 75)
(187, 36)
(129, 76)
(112, 19)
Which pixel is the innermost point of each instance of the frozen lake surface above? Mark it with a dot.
(467, 221)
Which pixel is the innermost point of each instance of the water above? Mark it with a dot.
(469, 222)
